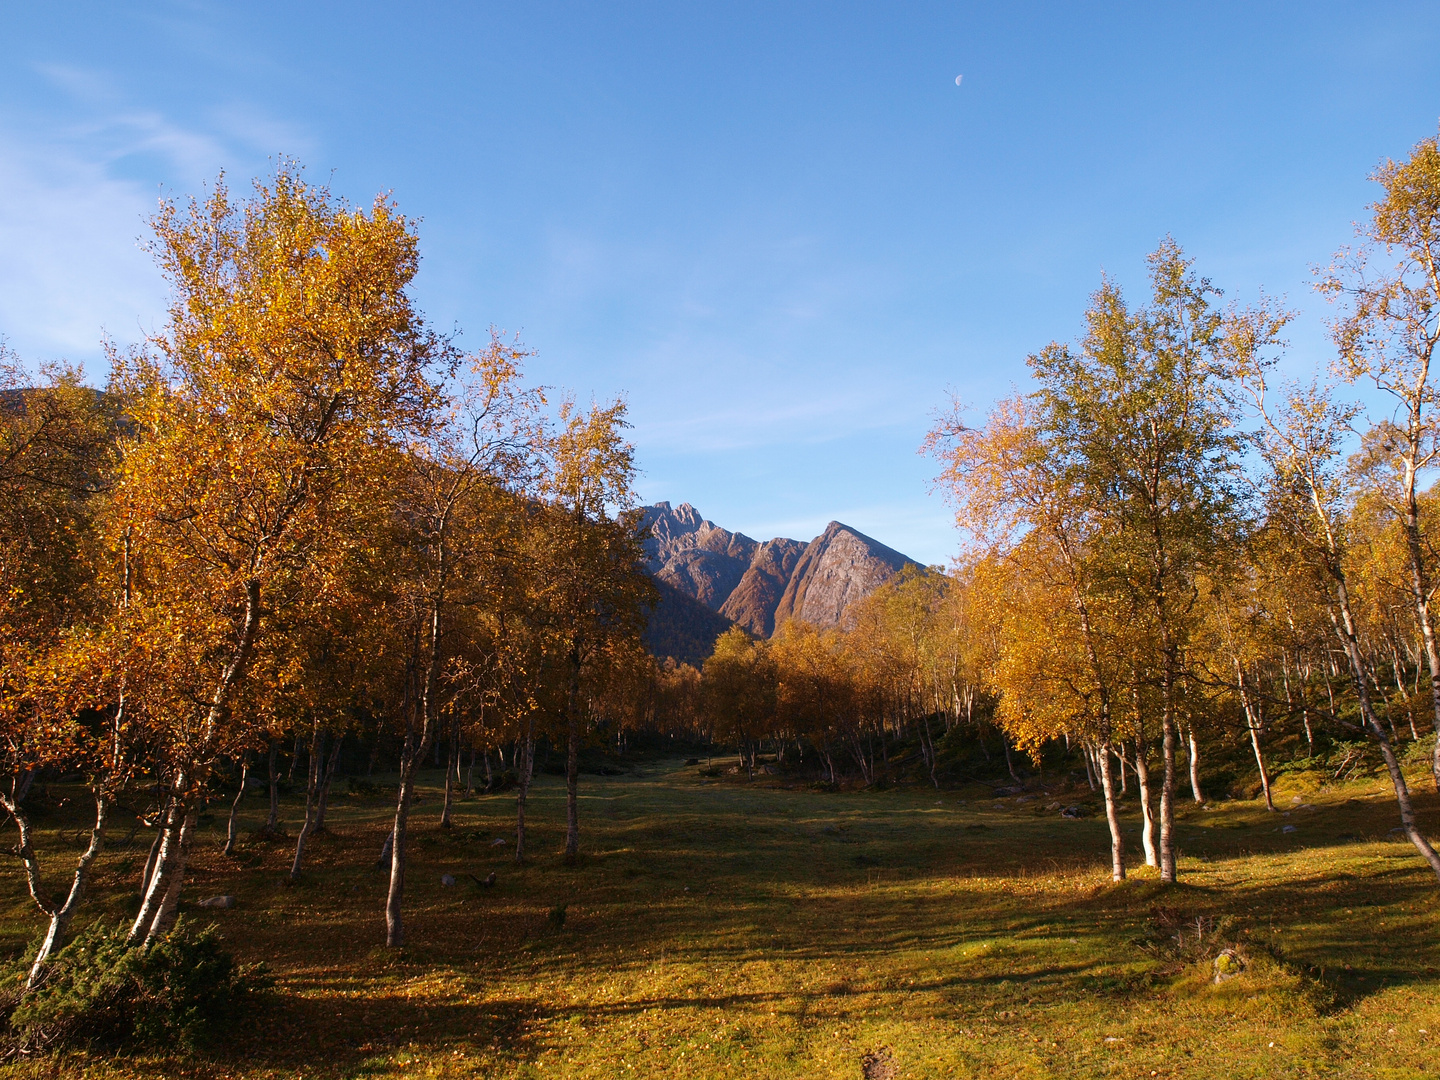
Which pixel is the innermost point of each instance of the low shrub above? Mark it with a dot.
(1419, 752)
(1352, 761)
(98, 992)
(1178, 940)
(360, 788)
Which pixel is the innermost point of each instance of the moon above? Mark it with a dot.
(958, 78)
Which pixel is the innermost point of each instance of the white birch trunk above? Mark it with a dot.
(232, 828)
(1195, 791)
(1112, 818)
(60, 914)
(1147, 814)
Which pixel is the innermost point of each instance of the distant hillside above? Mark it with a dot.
(752, 603)
(682, 627)
(760, 585)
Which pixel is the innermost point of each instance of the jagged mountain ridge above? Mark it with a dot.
(761, 585)
(754, 601)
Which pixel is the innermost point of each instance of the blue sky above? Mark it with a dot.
(780, 230)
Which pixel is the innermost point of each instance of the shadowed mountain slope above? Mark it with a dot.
(682, 627)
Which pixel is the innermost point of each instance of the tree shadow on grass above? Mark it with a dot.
(335, 1036)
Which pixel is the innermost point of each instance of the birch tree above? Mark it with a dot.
(1141, 415)
(60, 704)
(1055, 675)
(1302, 442)
(1387, 335)
(457, 508)
(593, 588)
(292, 355)
(739, 690)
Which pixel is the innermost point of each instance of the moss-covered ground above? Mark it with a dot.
(718, 927)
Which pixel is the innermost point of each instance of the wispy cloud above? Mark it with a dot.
(695, 385)
(804, 418)
(70, 264)
(80, 173)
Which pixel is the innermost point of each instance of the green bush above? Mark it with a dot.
(1418, 753)
(178, 992)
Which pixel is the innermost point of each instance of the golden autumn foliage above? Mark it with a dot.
(300, 512)
(299, 516)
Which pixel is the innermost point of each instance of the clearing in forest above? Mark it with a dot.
(716, 927)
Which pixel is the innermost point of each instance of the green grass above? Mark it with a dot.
(720, 928)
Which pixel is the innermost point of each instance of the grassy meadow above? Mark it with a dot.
(718, 927)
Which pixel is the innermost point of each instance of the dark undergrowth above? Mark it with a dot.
(98, 993)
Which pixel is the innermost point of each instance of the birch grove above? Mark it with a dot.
(302, 533)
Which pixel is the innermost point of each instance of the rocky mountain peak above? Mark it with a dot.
(695, 555)
(838, 569)
(760, 585)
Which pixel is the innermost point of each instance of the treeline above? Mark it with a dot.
(836, 702)
(296, 513)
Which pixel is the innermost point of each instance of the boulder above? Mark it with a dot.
(1227, 965)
